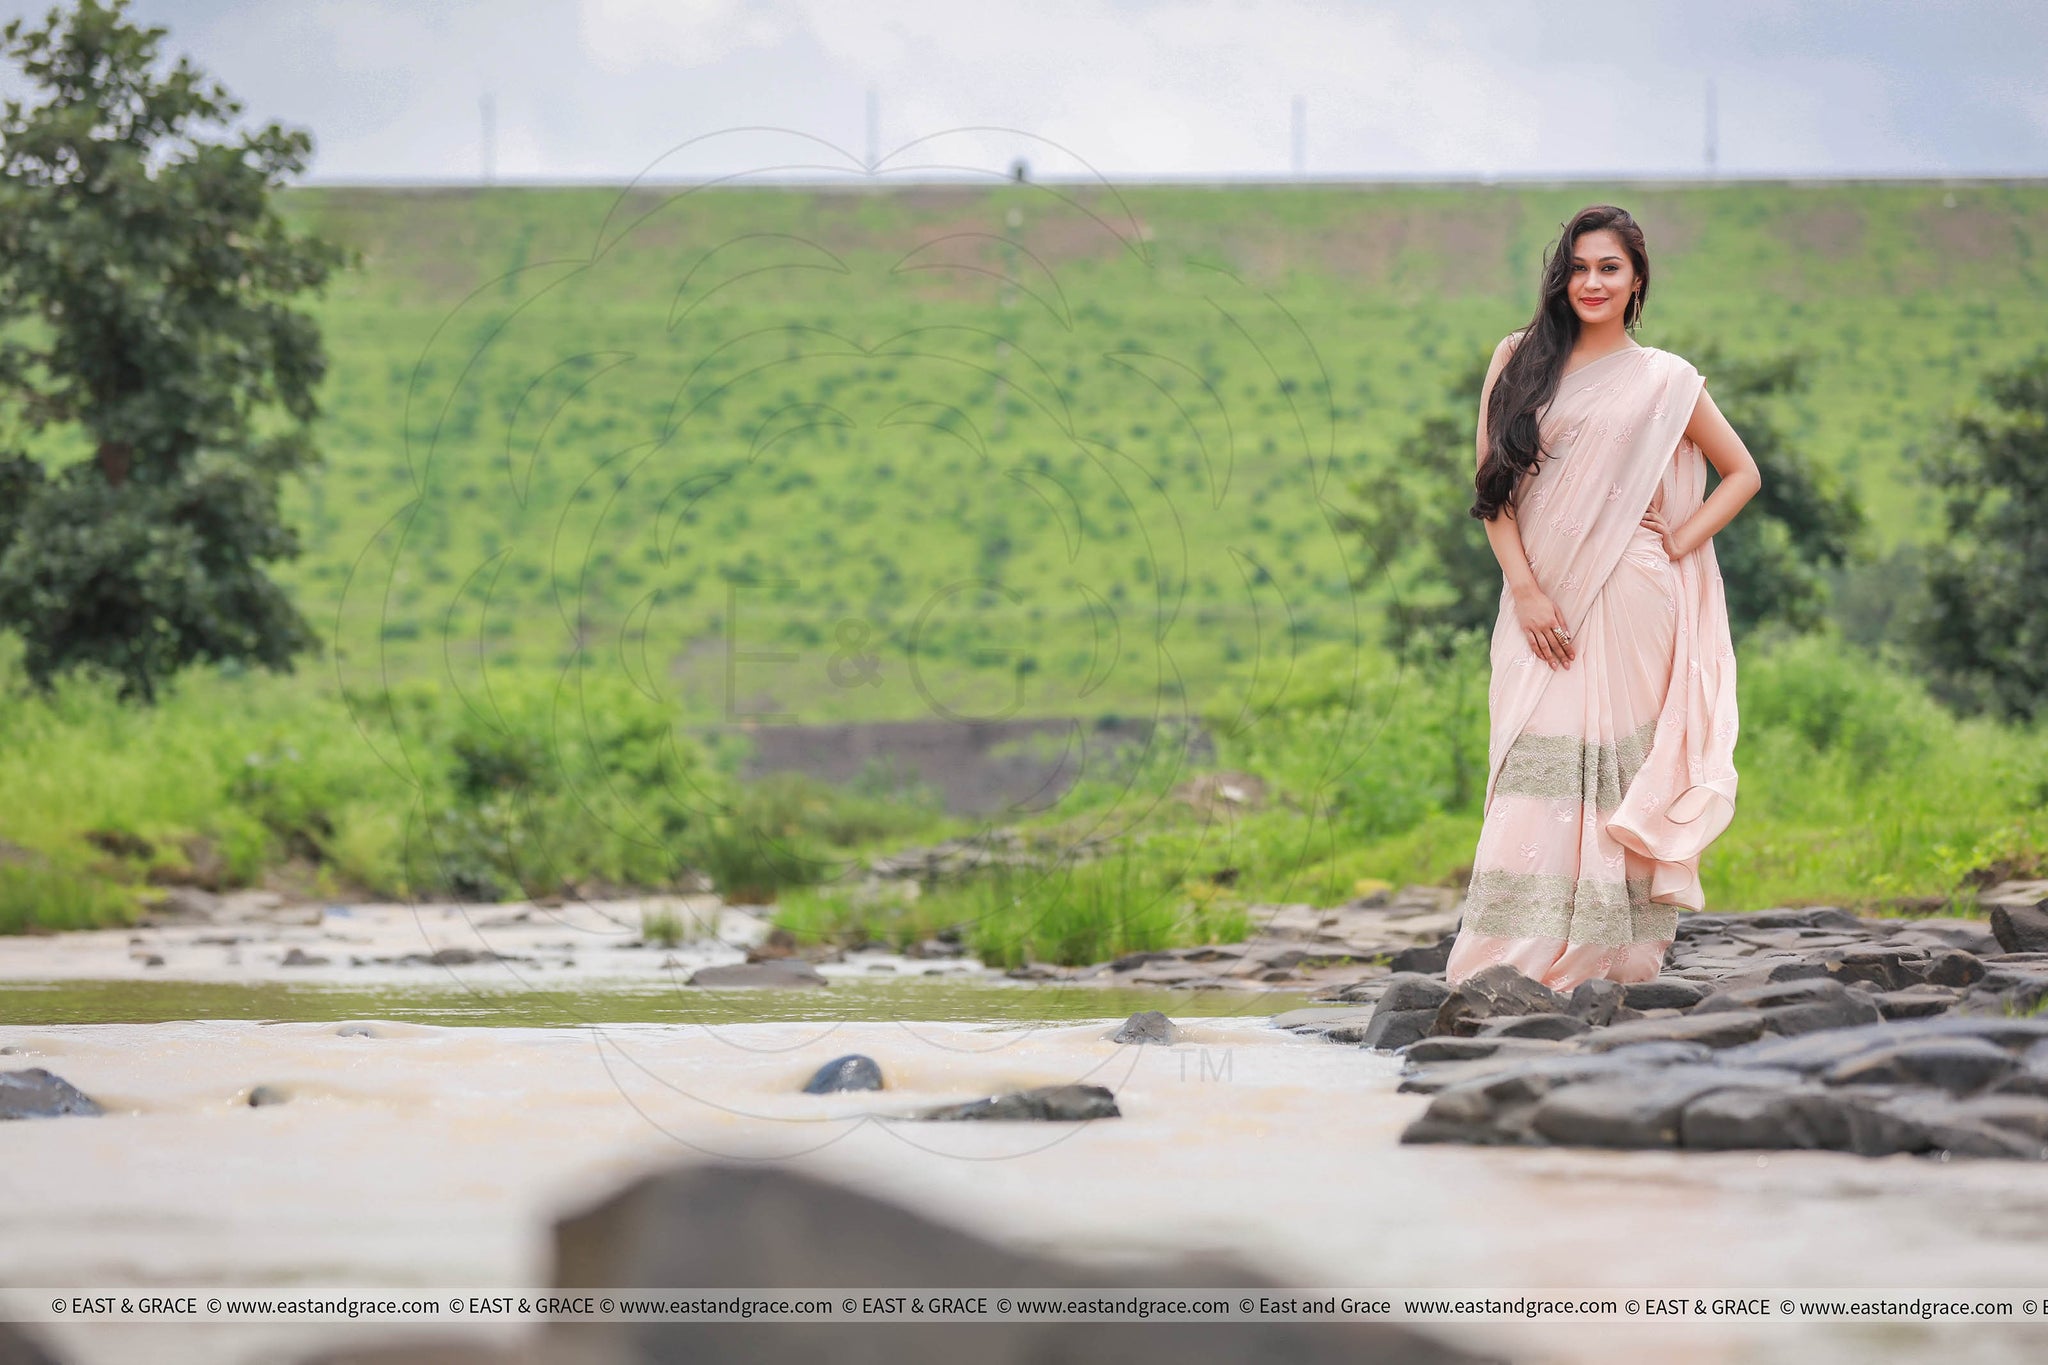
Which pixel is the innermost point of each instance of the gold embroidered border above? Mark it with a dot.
(1578, 910)
(1567, 766)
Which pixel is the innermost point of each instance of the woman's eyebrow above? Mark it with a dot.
(1604, 258)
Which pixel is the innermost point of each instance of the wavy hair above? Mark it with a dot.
(1529, 378)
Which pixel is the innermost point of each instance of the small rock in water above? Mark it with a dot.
(37, 1094)
(777, 972)
(299, 957)
(267, 1094)
(1054, 1103)
(851, 1072)
(1146, 1026)
(355, 1031)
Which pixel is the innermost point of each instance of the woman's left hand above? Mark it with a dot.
(1654, 519)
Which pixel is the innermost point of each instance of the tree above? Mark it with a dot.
(1418, 530)
(1983, 629)
(144, 280)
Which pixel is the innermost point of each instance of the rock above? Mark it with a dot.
(37, 1094)
(1666, 992)
(1446, 1048)
(299, 957)
(1953, 967)
(1055, 1103)
(1778, 1118)
(1915, 1002)
(1890, 968)
(1769, 994)
(1389, 1030)
(1725, 1028)
(357, 1031)
(17, 1346)
(1640, 1108)
(1533, 1026)
(1321, 1018)
(781, 972)
(1413, 991)
(262, 1095)
(1132, 961)
(1146, 1026)
(1845, 1010)
(2024, 1114)
(1432, 957)
(851, 1072)
(1959, 1066)
(722, 1227)
(2020, 928)
(157, 959)
(1491, 992)
(1597, 1001)
(1884, 1123)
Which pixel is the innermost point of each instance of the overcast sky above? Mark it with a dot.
(613, 89)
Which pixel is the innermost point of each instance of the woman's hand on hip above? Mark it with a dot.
(1654, 519)
(1544, 628)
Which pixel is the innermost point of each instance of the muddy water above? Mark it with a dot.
(434, 1155)
(438, 1118)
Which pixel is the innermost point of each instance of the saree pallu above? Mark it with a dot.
(1607, 779)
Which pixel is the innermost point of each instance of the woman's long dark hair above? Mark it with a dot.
(1529, 378)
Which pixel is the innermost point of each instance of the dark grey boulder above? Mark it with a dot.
(1046, 1103)
(1953, 967)
(2024, 1114)
(1639, 1108)
(1812, 1052)
(1916, 1002)
(1413, 991)
(35, 1093)
(1146, 1026)
(1444, 1047)
(851, 1072)
(1960, 1066)
(770, 972)
(732, 1226)
(1917, 1122)
(1390, 1030)
(1490, 993)
(1771, 994)
(1777, 1118)
(1432, 957)
(1723, 1029)
(2020, 928)
(1553, 1026)
(1597, 1000)
(1846, 1010)
(1666, 992)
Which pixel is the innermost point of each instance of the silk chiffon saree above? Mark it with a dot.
(1607, 779)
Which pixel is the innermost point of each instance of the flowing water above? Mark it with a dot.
(432, 1128)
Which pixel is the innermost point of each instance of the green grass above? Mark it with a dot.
(541, 456)
(580, 501)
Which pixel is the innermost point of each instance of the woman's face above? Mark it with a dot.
(1602, 277)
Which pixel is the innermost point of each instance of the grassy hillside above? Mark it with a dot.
(974, 451)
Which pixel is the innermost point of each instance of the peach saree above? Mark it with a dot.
(1607, 779)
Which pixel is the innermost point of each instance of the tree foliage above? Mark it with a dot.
(1983, 630)
(145, 277)
(1420, 537)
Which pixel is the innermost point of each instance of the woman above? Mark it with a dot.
(1611, 757)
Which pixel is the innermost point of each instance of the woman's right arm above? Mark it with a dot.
(1533, 608)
